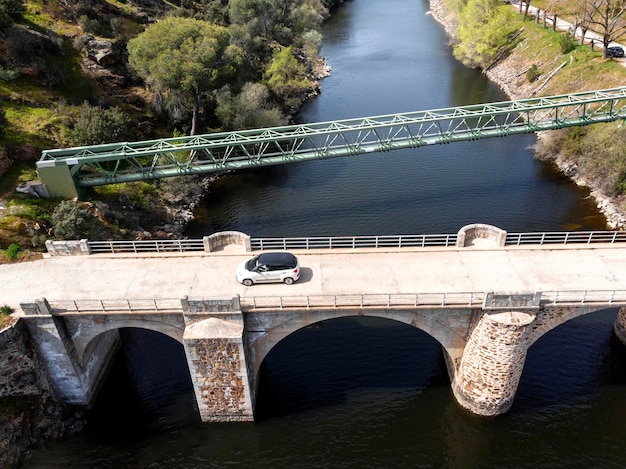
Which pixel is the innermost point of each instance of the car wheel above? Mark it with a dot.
(247, 282)
(288, 280)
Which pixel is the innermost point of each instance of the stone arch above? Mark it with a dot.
(86, 342)
(266, 336)
(549, 318)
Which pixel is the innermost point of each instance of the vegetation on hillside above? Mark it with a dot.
(90, 72)
(551, 62)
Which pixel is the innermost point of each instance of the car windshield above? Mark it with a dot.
(252, 263)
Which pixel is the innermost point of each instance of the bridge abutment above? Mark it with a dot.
(213, 343)
(73, 381)
(492, 363)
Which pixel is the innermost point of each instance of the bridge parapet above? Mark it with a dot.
(218, 241)
(480, 234)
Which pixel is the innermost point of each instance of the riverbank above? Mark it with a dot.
(509, 74)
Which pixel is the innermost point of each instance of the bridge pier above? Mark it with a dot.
(620, 325)
(213, 343)
(489, 372)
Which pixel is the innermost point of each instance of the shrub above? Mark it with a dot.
(566, 43)
(97, 125)
(5, 310)
(73, 221)
(11, 251)
(532, 73)
(7, 74)
(10, 10)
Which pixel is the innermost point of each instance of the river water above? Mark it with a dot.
(366, 392)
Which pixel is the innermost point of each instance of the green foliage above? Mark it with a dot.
(248, 110)
(484, 28)
(567, 43)
(5, 310)
(573, 140)
(602, 155)
(182, 58)
(7, 74)
(93, 25)
(11, 251)
(533, 73)
(96, 125)
(71, 220)
(287, 79)
(10, 11)
(4, 123)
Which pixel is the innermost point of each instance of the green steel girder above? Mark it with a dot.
(153, 159)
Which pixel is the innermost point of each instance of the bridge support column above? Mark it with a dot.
(73, 381)
(492, 362)
(213, 343)
(620, 325)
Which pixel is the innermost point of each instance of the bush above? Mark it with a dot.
(7, 74)
(71, 220)
(5, 310)
(567, 43)
(532, 74)
(11, 251)
(10, 11)
(97, 125)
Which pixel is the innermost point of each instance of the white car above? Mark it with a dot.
(269, 267)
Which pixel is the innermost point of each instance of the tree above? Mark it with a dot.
(583, 21)
(10, 10)
(96, 125)
(249, 109)
(608, 20)
(287, 78)
(483, 29)
(181, 59)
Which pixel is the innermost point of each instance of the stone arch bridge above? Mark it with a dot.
(492, 303)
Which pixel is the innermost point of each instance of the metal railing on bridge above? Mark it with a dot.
(606, 298)
(116, 306)
(356, 242)
(146, 246)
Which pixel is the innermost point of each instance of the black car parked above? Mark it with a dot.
(614, 51)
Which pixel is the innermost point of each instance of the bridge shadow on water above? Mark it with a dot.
(334, 361)
(148, 389)
(571, 363)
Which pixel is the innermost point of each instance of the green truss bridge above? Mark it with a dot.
(67, 172)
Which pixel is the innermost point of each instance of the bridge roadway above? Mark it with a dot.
(324, 272)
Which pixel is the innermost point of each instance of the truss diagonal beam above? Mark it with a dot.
(134, 161)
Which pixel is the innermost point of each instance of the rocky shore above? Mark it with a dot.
(510, 74)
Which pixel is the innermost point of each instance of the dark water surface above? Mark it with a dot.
(366, 392)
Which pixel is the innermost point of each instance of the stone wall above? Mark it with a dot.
(492, 363)
(477, 234)
(68, 248)
(218, 241)
(216, 371)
